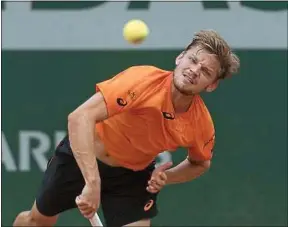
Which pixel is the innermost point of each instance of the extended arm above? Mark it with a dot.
(186, 171)
(83, 137)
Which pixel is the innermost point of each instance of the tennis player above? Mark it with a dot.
(108, 157)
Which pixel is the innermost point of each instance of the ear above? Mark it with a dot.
(180, 56)
(213, 86)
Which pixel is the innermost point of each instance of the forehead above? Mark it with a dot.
(204, 56)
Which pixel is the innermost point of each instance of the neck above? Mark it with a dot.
(181, 102)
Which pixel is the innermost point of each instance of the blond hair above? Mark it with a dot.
(215, 44)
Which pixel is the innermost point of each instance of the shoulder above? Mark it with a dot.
(146, 75)
(146, 71)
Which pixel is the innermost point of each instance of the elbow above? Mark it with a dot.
(206, 164)
(73, 118)
(77, 118)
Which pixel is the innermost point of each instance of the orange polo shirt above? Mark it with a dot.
(142, 122)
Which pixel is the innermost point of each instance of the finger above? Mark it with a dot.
(151, 190)
(157, 181)
(86, 209)
(89, 215)
(160, 183)
(153, 180)
(82, 204)
(155, 187)
(87, 212)
(80, 201)
(163, 176)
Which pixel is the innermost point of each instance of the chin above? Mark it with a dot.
(184, 88)
(186, 91)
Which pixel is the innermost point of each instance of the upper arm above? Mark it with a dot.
(94, 108)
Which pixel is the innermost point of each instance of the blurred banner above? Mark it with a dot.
(55, 52)
(98, 25)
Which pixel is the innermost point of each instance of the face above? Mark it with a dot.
(196, 71)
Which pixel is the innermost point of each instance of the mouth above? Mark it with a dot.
(189, 78)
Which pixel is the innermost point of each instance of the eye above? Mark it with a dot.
(206, 72)
(193, 59)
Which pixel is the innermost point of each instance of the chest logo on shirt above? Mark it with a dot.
(132, 94)
(169, 116)
(121, 102)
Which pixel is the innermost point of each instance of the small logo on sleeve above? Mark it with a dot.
(210, 140)
(121, 102)
(210, 143)
(169, 116)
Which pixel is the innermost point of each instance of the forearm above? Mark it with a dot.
(83, 142)
(184, 172)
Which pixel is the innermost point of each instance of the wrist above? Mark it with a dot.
(169, 175)
(93, 182)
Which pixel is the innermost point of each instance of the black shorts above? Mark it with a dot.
(124, 198)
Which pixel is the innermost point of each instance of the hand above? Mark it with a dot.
(89, 200)
(158, 178)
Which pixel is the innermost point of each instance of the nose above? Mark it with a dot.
(195, 69)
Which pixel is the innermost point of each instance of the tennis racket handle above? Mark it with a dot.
(95, 221)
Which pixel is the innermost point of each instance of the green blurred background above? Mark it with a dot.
(247, 183)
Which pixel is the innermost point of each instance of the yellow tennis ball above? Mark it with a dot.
(135, 31)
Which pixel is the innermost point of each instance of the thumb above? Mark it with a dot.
(165, 166)
(77, 200)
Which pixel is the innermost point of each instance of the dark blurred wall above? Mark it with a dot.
(247, 184)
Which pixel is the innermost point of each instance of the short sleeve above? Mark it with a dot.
(124, 91)
(202, 150)
(204, 137)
